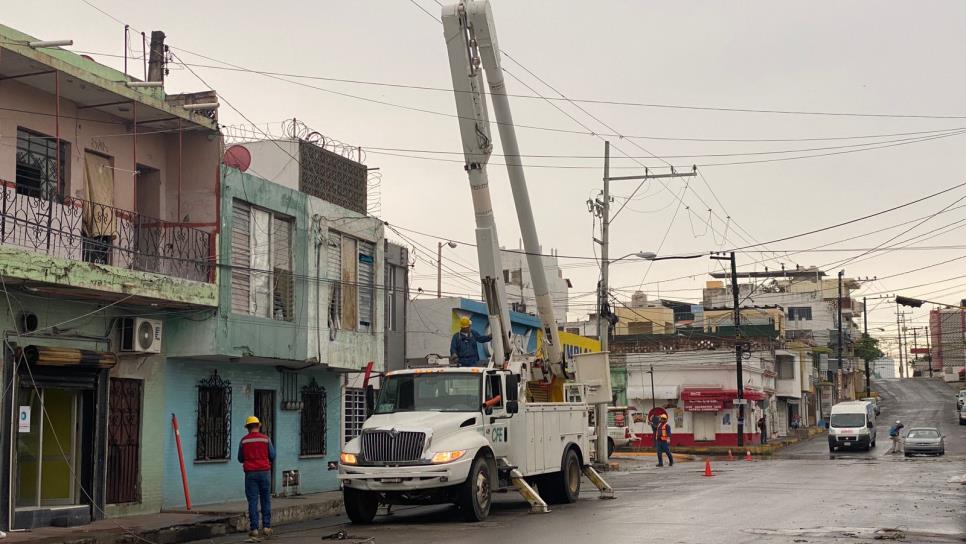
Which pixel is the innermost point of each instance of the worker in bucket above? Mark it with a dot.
(256, 453)
(662, 442)
(463, 349)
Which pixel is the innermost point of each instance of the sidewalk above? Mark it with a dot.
(757, 450)
(173, 527)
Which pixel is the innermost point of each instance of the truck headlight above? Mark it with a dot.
(447, 456)
(348, 459)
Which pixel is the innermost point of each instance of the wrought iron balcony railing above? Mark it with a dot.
(81, 230)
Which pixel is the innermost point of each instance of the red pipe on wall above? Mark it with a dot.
(184, 475)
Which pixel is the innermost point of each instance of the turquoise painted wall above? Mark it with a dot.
(236, 335)
(214, 482)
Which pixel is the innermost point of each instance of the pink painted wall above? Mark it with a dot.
(26, 107)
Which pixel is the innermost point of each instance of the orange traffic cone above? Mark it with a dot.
(748, 455)
(730, 457)
(707, 468)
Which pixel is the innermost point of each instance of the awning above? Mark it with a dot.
(709, 399)
(660, 392)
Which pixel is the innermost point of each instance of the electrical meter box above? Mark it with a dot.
(593, 370)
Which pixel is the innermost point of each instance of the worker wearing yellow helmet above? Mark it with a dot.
(464, 348)
(256, 453)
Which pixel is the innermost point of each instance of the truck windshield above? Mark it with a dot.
(848, 420)
(431, 392)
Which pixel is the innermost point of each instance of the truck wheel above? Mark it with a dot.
(475, 495)
(564, 486)
(610, 447)
(360, 505)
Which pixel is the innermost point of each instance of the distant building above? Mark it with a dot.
(884, 368)
(947, 328)
(519, 286)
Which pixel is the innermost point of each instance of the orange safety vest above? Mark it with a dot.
(662, 432)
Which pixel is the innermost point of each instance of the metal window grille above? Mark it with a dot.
(37, 173)
(214, 418)
(313, 424)
(355, 412)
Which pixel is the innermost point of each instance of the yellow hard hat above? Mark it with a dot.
(252, 420)
(663, 416)
(464, 322)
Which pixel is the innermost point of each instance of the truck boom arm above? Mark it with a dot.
(472, 44)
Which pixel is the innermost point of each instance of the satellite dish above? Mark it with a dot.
(238, 156)
(145, 336)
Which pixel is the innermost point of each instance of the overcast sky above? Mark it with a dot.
(857, 57)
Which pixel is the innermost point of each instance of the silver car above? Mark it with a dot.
(924, 440)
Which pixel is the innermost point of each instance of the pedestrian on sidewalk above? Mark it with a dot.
(662, 442)
(895, 434)
(763, 429)
(256, 453)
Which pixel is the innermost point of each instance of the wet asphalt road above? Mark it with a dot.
(800, 496)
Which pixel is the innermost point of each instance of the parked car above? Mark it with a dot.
(962, 415)
(924, 440)
(875, 404)
(619, 432)
(961, 399)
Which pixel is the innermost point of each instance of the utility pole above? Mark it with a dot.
(902, 372)
(603, 331)
(905, 344)
(929, 349)
(865, 334)
(915, 343)
(738, 347)
(840, 340)
(601, 208)
(653, 397)
(439, 266)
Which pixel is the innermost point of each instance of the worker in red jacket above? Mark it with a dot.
(256, 453)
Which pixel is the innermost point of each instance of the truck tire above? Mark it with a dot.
(360, 505)
(563, 487)
(475, 494)
(610, 447)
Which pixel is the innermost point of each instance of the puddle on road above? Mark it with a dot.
(872, 533)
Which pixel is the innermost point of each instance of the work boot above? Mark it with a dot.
(267, 532)
(253, 536)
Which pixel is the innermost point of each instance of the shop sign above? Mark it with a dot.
(703, 405)
(23, 420)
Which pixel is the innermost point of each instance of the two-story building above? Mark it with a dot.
(301, 312)
(108, 219)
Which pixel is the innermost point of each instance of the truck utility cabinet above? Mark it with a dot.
(540, 431)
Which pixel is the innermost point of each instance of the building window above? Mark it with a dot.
(351, 264)
(786, 368)
(797, 313)
(392, 322)
(38, 173)
(355, 412)
(214, 419)
(261, 260)
(312, 431)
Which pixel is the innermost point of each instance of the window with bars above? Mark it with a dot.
(803, 313)
(355, 412)
(40, 172)
(313, 420)
(214, 419)
(351, 264)
(261, 259)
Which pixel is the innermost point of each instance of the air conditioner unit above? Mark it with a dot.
(140, 335)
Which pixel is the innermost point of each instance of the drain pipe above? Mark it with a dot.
(184, 475)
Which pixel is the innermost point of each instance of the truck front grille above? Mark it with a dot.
(392, 446)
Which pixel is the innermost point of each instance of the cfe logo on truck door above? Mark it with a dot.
(497, 434)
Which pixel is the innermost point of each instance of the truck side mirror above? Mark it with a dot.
(487, 409)
(870, 424)
(512, 406)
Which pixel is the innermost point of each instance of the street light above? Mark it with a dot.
(645, 255)
(439, 266)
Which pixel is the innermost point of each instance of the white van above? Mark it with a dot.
(852, 425)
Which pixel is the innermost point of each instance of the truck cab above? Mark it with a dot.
(450, 435)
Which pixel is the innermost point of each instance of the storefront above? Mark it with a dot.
(56, 446)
